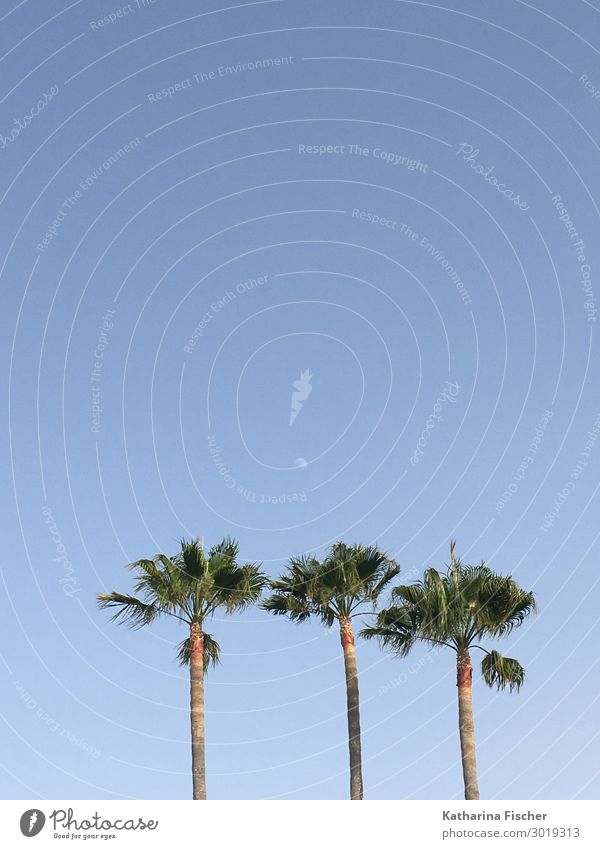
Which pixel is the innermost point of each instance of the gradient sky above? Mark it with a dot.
(228, 238)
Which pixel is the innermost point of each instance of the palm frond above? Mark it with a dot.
(436, 606)
(212, 651)
(129, 609)
(189, 585)
(227, 549)
(288, 604)
(238, 587)
(299, 593)
(388, 575)
(183, 652)
(159, 580)
(337, 587)
(359, 572)
(410, 593)
(302, 572)
(501, 672)
(192, 559)
(397, 628)
(211, 654)
(503, 605)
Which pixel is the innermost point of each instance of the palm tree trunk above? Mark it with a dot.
(347, 639)
(466, 725)
(197, 710)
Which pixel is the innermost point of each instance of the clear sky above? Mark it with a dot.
(200, 202)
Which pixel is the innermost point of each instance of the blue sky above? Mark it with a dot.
(400, 198)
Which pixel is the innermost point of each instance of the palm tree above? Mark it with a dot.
(190, 587)
(458, 609)
(336, 590)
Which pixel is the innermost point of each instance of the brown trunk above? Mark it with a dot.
(197, 710)
(347, 638)
(466, 726)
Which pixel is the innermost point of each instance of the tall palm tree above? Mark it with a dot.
(336, 589)
(458, 609)
(190, 587)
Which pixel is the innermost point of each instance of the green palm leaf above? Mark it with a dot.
(211, 653)
(190, 586)
(135, 612)
(396, 628)
(502, 672)
(339, 586)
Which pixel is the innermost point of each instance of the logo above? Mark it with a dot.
(65, 819)
(302, 390)
(32, 822)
